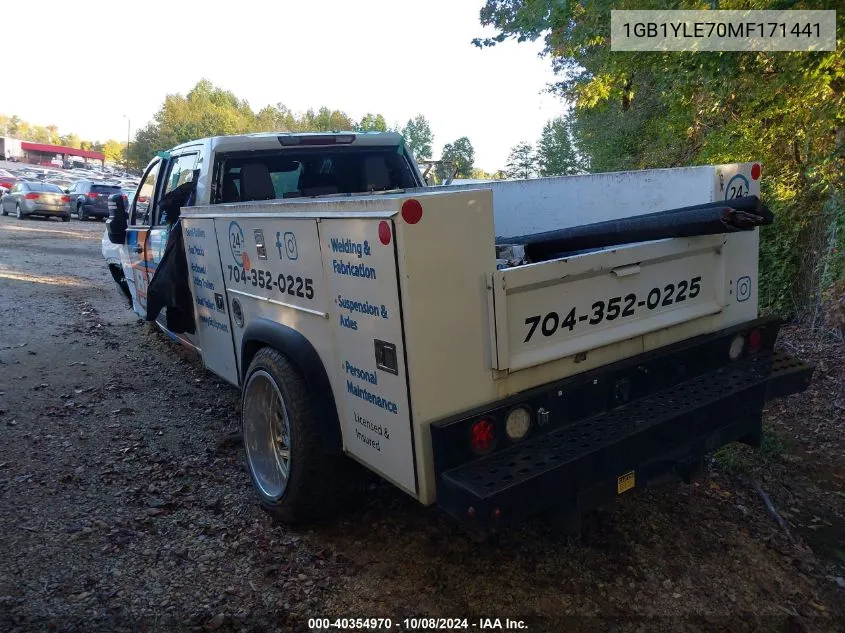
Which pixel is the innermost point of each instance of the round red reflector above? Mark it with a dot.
(482, 437)
(755, 340)
(384, 232)
(755, 171)
(411, 211)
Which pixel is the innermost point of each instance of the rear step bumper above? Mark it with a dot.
(580, 465)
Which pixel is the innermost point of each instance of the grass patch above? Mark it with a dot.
(740, 458)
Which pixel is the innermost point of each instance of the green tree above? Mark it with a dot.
(418, 136)
(205, 111)
(276, 118)
(325, 120)
(143, 147)
(52, 134)
(113, 151)
(70, 140)
(522, 162)
(664, 109)
(23, 131)
(556, 155)
(13, 126)
(372, 123)
(38, 134)
(480, 174)
(458, 158)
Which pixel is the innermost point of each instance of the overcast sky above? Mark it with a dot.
(88, 63)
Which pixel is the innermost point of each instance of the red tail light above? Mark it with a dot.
(93, 195)
(142, 198)
(32, 196)
(755, 341)
(483, 436)
(65, 198)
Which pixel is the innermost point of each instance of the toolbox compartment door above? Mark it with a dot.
(551, 310)
(211, 312)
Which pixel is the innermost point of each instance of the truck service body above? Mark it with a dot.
(492, 388)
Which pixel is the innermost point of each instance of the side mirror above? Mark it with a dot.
(116, 224)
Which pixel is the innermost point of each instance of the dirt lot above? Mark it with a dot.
(123, 505)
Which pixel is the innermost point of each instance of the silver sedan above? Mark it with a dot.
(29, 197)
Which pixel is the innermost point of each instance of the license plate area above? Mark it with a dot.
(552, 310)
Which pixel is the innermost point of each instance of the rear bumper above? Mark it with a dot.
(48, 211)
(32, 208)
(96, 211)
(580, 465)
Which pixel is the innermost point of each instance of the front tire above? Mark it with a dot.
(295, 477)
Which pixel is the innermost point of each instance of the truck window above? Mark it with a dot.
(294, 173)
(180, 170)
(141, 206)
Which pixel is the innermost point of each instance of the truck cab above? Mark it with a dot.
(248, 168)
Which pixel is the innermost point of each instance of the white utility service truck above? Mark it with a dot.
(484, 347)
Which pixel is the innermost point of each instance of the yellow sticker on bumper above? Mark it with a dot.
(624, 482)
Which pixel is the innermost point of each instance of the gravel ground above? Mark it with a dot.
(125, 504)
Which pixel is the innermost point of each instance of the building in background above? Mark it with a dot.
(45, 154)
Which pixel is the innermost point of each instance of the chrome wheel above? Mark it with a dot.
(267, 438)
(18, 213)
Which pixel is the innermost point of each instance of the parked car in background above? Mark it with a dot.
(36, 198)
(128, 194)
(7, 182)
(63, 183)
(90, 198)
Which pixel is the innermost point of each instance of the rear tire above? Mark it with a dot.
(18, 213)
(3, 210)
(295, 476)
(80, 213)
(66, 218)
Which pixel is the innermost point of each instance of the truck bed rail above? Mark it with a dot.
(723, 216)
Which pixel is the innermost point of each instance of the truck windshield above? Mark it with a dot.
(295, 173)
